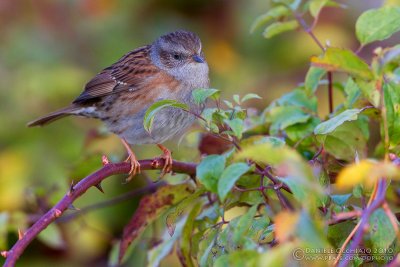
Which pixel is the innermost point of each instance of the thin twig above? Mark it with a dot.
(344, 216)
(330, 91)
(76, 191)
(377, 202)
(308, 30)
(121, 198)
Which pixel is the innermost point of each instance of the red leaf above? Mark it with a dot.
(149, 209)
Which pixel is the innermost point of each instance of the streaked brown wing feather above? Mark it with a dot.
(128, 73)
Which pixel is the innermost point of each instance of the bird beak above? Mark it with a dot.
(198, 59)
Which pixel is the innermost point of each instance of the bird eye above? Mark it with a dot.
(178, 56)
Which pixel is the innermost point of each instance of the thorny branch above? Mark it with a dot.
(78, 190)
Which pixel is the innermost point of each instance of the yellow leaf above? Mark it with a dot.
(366, 172)
(285, 225)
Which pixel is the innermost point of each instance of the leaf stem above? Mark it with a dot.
(330, 91)
(309, 31)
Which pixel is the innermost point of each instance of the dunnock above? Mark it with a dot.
(170, 68)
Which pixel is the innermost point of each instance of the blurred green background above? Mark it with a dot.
(50, 49)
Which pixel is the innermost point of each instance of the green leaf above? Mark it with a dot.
(243, 225)
(283, 117)
(368, 90)
(209, 171)
(281, 255)
(280, 27)
(113, 255)
(237, 127)
(239, 258)
(381, 230)
(392, 104)
(260, 139)
(205, 246)
(156, 107)
(292, 4)
(308, 192)
(310, 230)
(269, 154)
(301, 130)
(228, 103)
(342, 60)
(208, 114)
(229, 177)
(378, 24)
(179, 209)
(185, 243)
(236, 98)
(288, 162)
(331, 124)
(273, 13)
(298, 188)
(315, 6)
(299, 98)
(258, 227)
(352, 91)
(340, 199)
(347, 141)
(200, 95)
(313, 77)
(250, 96)
(159, 252)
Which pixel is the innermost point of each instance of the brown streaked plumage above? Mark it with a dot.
(169, 68)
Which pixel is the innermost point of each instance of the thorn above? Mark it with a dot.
(105, 160)
(71, 188)
(4, 253)
(20, 234)
(155, 163)
(57, 213)
(72, 207)
(98, 186)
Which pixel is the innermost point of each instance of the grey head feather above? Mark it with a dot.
(174, 54)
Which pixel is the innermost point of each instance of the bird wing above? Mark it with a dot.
(129, 73)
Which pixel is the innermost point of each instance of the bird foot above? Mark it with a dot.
(167, 156)
(135, 166)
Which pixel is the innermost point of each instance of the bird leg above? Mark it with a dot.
(168, 160)
(135, 165)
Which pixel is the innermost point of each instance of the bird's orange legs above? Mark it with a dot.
(167, 156)
(135, 165)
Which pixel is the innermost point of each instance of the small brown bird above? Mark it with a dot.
(170, 68)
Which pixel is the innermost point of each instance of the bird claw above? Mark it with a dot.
(135, 167)
(167, 156)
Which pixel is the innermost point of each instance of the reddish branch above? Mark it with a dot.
(79, 189)
(362, 226)
(309, 31)
(344, 216)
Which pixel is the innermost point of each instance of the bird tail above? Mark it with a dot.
(58, 114)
